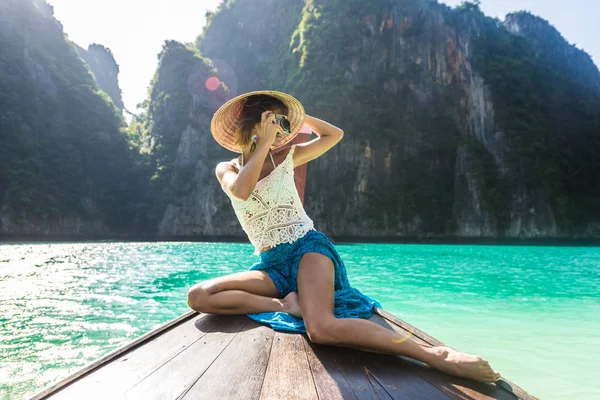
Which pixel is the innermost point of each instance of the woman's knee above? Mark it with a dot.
(198, 297)
(323, 330)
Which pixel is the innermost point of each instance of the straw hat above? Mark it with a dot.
(225, 119)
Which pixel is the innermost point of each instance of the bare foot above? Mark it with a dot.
(462, 364)
(291, 305)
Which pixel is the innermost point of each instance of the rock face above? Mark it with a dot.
(455, 123)
(105, 69)
(549, 45)
(66, 166)
(188, 198)
(572, 101)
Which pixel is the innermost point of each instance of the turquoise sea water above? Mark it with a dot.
(534, 312)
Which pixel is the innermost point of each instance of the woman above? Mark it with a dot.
(300, 283)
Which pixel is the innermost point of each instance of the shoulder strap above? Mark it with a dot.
(270, 155)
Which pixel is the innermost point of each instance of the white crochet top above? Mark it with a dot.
(273, 213)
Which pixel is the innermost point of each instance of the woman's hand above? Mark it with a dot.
(267, 129)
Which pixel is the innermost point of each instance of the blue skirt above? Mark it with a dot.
(281, 264)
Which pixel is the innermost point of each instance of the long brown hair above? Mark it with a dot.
(251, 113)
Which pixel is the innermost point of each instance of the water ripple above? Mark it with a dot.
(63, 305)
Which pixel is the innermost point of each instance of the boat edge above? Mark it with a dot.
(99, 362)
(502, 383)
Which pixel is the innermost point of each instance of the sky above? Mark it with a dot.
(134, 30)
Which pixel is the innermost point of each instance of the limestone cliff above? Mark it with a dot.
(447, 131)
(66, 166)
(105, 70)
(186, 200)
(454, 125)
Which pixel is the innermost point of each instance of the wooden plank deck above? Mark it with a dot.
(203, 356)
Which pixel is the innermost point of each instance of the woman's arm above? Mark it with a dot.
(241, 184)
(328, 134)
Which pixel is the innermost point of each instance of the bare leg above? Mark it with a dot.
(316, 296)
(242, 293)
